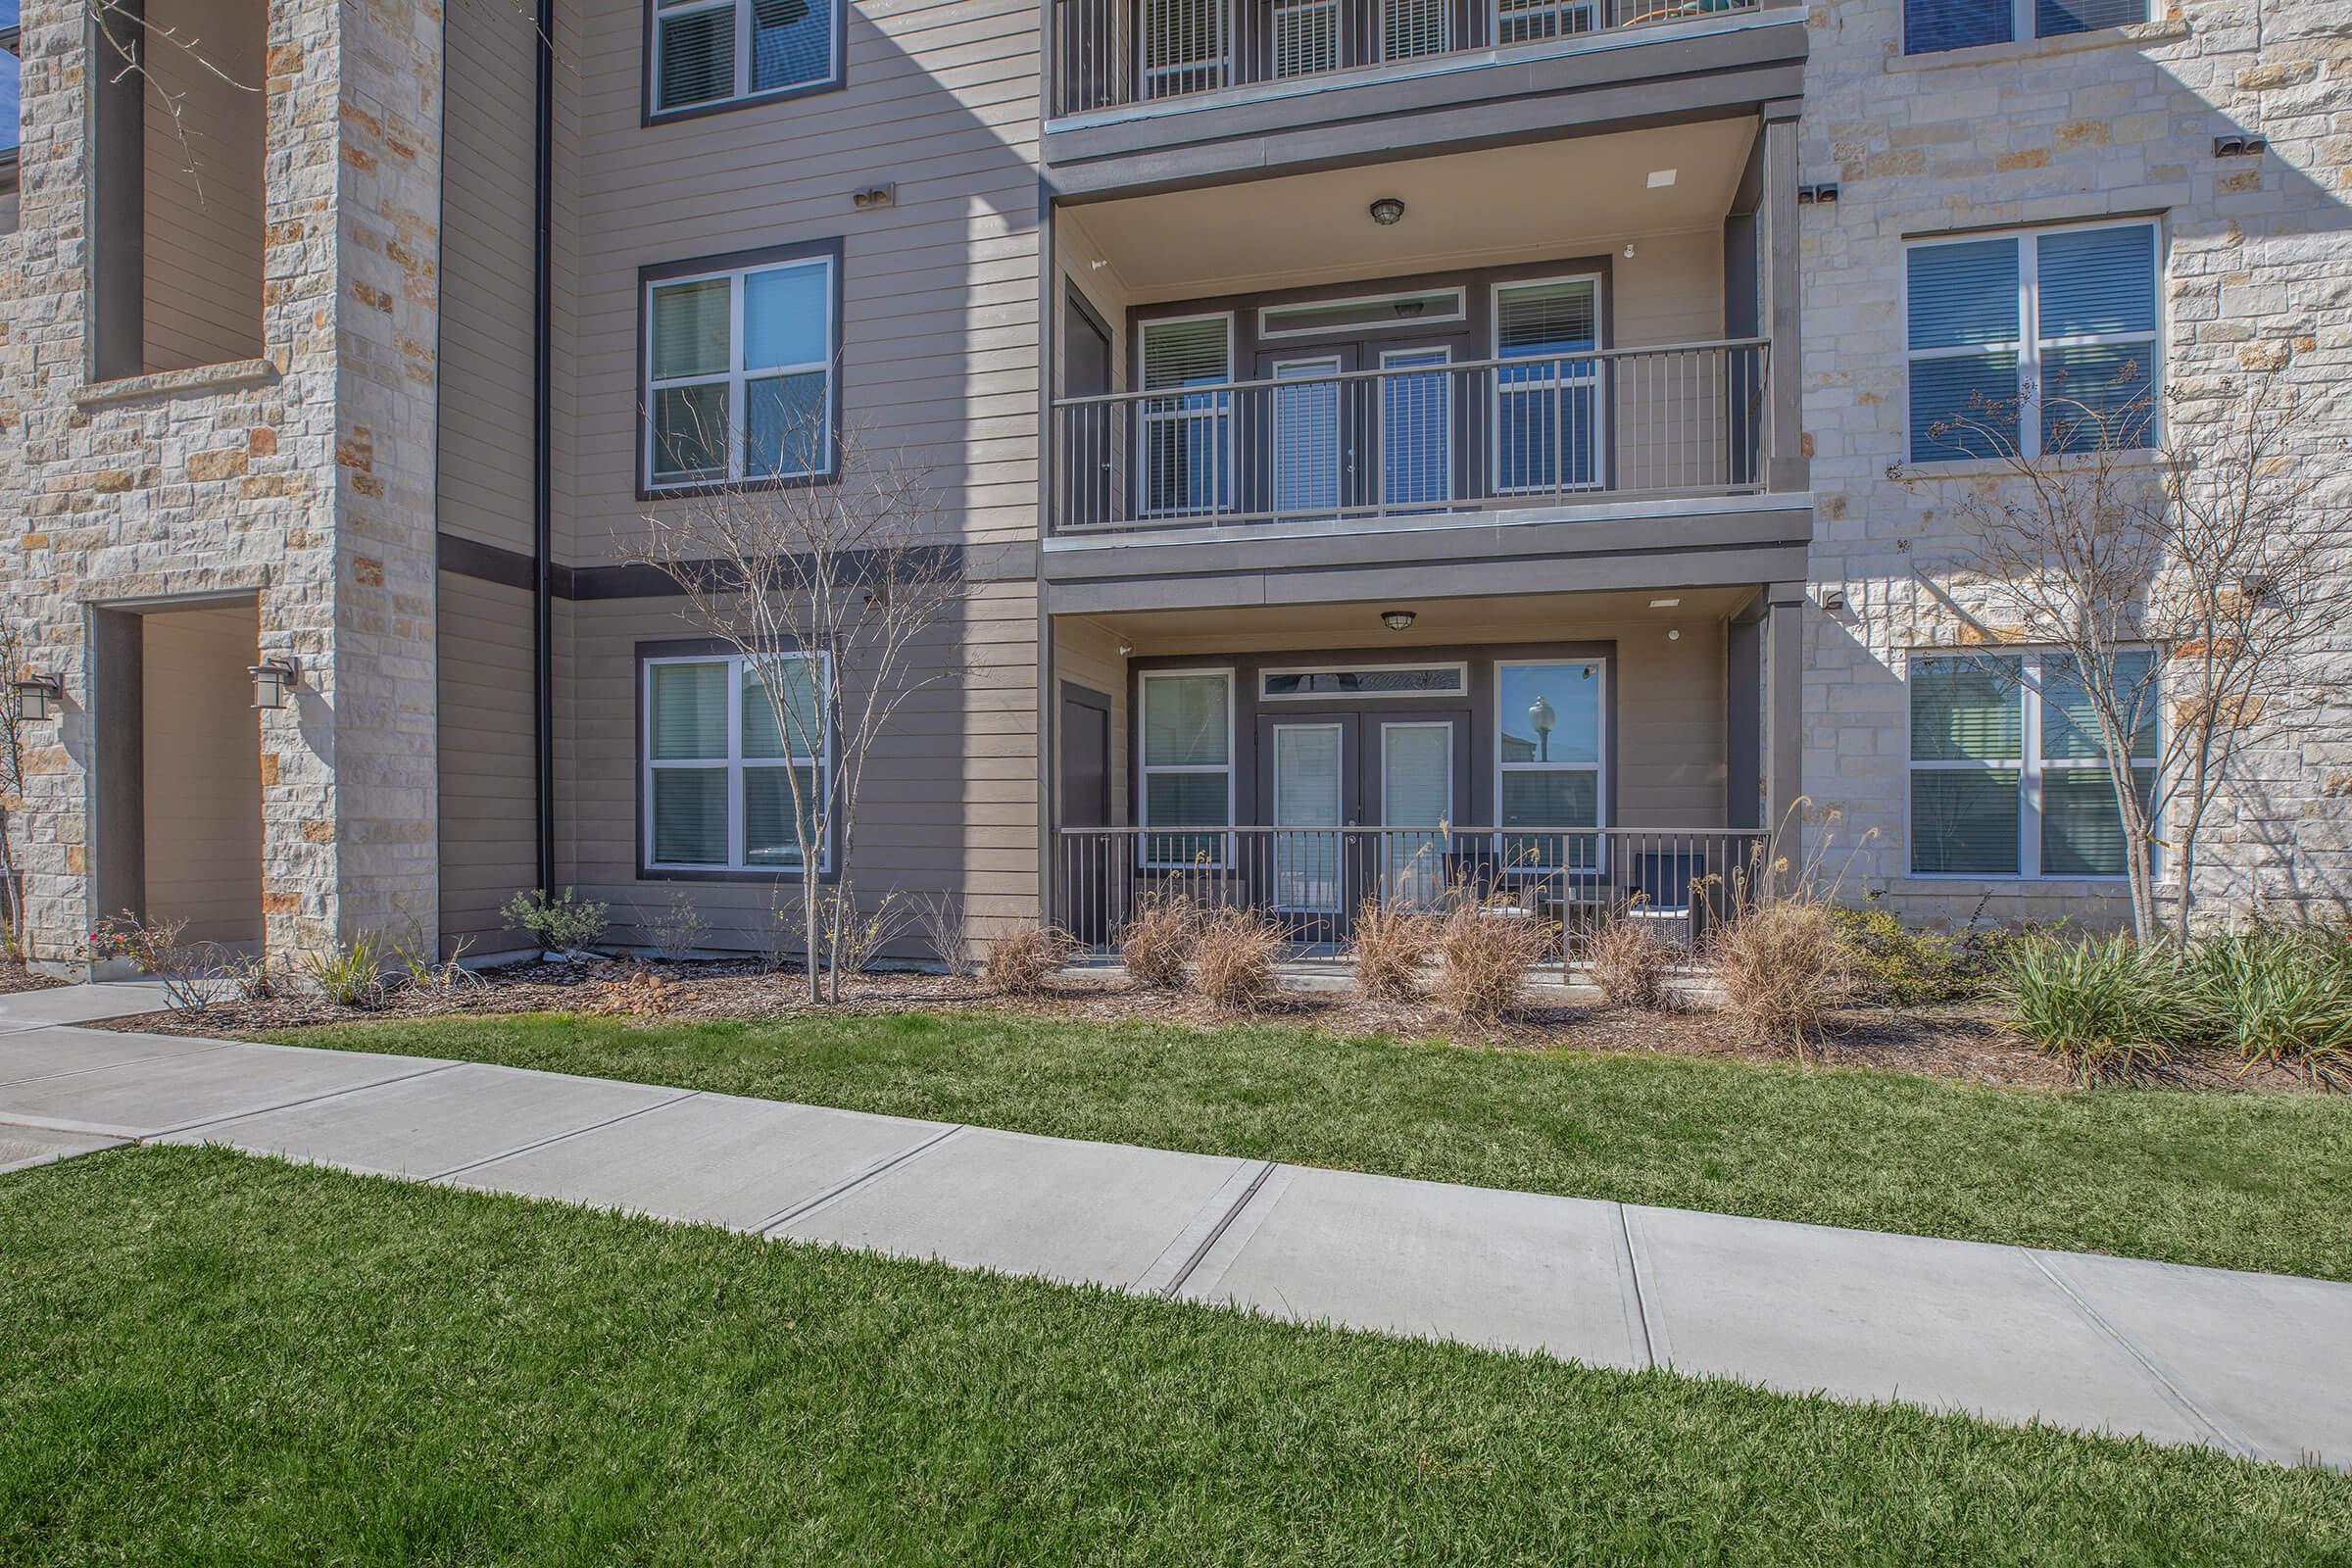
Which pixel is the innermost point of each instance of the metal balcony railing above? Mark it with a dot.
(1114, 51)
(1314, 880)
(1416, 437)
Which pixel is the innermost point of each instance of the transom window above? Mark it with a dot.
(2008, 781)
(1386, 309)
(1187, 726)
(708, 52)
(723, 788)
(1932, 26)
(739, 382)
(2046, 340)
(1547, 752)
(1393, 680)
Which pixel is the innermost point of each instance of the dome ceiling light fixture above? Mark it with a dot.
(1397, 619)
(1388, 212)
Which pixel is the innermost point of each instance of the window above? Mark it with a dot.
(1187, 438)
(2046, 339)
(1187, 765)
(739, 382)
(708, 53)
(2007, 775)
(1383, 680)
(1932, 26)
(722, 788)
(1416, 427)
(1183, 47)
(1546, 409)
(1334, 316)
(1527, 20)
(1547, 748)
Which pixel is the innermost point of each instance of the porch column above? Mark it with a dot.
(1786, 466)
(1784, 710)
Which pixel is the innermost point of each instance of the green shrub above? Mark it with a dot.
(2108, 1009)
(561, 925)
(348, 976)
(1897, 966)
(2283, 995)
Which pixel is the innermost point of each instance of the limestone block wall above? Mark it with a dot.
(302, 477)
(2258, 275)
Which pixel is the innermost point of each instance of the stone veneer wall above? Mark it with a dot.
(2259, 276)
(305, 477)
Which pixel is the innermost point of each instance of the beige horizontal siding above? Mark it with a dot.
(489, 782)
(203, 221)
(203, 775)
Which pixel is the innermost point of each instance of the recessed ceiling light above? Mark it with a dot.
(1664, 603)
(1661, 178)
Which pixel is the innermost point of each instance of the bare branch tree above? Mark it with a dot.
(13, 781)
(836, 593)
(2184, 578)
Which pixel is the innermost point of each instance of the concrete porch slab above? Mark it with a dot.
(40, 1053)
(711, 1158)
(1100, 1213)
(83, 1003)
(1871, 1315)
(1510, 1270)
(2266, 1357)
(436, 1122)
(23, 1148)
(164, 1094)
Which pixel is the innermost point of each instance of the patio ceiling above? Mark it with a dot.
(1550, 617)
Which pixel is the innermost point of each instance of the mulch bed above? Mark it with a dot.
(14, 979)
(1964, 1044)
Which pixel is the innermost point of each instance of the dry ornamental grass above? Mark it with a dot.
(1631, 964)
(1158, 939)
(1484, 954)
(1022, 962)
(1234, 954)
(1392, 947)
(1784, 966)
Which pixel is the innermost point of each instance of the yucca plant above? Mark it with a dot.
(348, 976)
(2109, 1008)
(2284, 996)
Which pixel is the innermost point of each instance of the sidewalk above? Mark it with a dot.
(2253, 1363)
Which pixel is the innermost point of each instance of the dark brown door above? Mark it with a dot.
(1085, 430)
(1093, 869)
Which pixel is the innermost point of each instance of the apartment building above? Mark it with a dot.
(1386, 439)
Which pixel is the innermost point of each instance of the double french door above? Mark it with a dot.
(1359, 805)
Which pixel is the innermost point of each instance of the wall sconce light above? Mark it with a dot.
(1833, 601)
(1397, 619)
(38, 697)
(1388, 212)
(273, 678)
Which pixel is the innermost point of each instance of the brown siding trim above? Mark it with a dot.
(513, 569)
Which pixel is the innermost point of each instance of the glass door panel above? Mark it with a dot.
(1308, 810)
(1416, 792)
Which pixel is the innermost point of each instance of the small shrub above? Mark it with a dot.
(350, 976)
(1783, 966)
(186, 969)
(1158, 939)
(247, 976)
(2108, 1009)
(1631, 964)
(563, 925)
(679, 930)
(1021, 962)
(1392, 945)
(2282, 996)
(938, 918)
(420, 969)
(1484, 954)
(1234, 954)
(1895, 966)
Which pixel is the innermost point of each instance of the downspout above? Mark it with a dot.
(543, 598)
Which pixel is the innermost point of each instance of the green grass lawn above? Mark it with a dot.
(2241, 1181)
(206, 1359)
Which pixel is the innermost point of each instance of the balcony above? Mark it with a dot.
(1419, 437)
(1113, 53)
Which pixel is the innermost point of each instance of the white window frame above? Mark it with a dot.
(735, 764)
(2030, 765)
(1441, 367)
(743, 92)
(2023, 28)
(735, 377)
(1441, 833)
(1218, 416)
(1599, 767)
(1276, 335)
(1154, 76)
(1319, 370)
(1461, 673)
(1495, 392)
(1145, 770)
(2029, 325)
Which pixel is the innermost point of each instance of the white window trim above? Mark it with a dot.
(2029, 766)
(1274, 334)
(2023, 17)
(742, 90)
(2029, 323)
(1460, 671)
(1496, 391)
(736, 377)
(1441, 367)
(1219, 415)
(735, 764)
(1310, 834)
(1599, 767)
(1391, 876)
(1146, 768)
